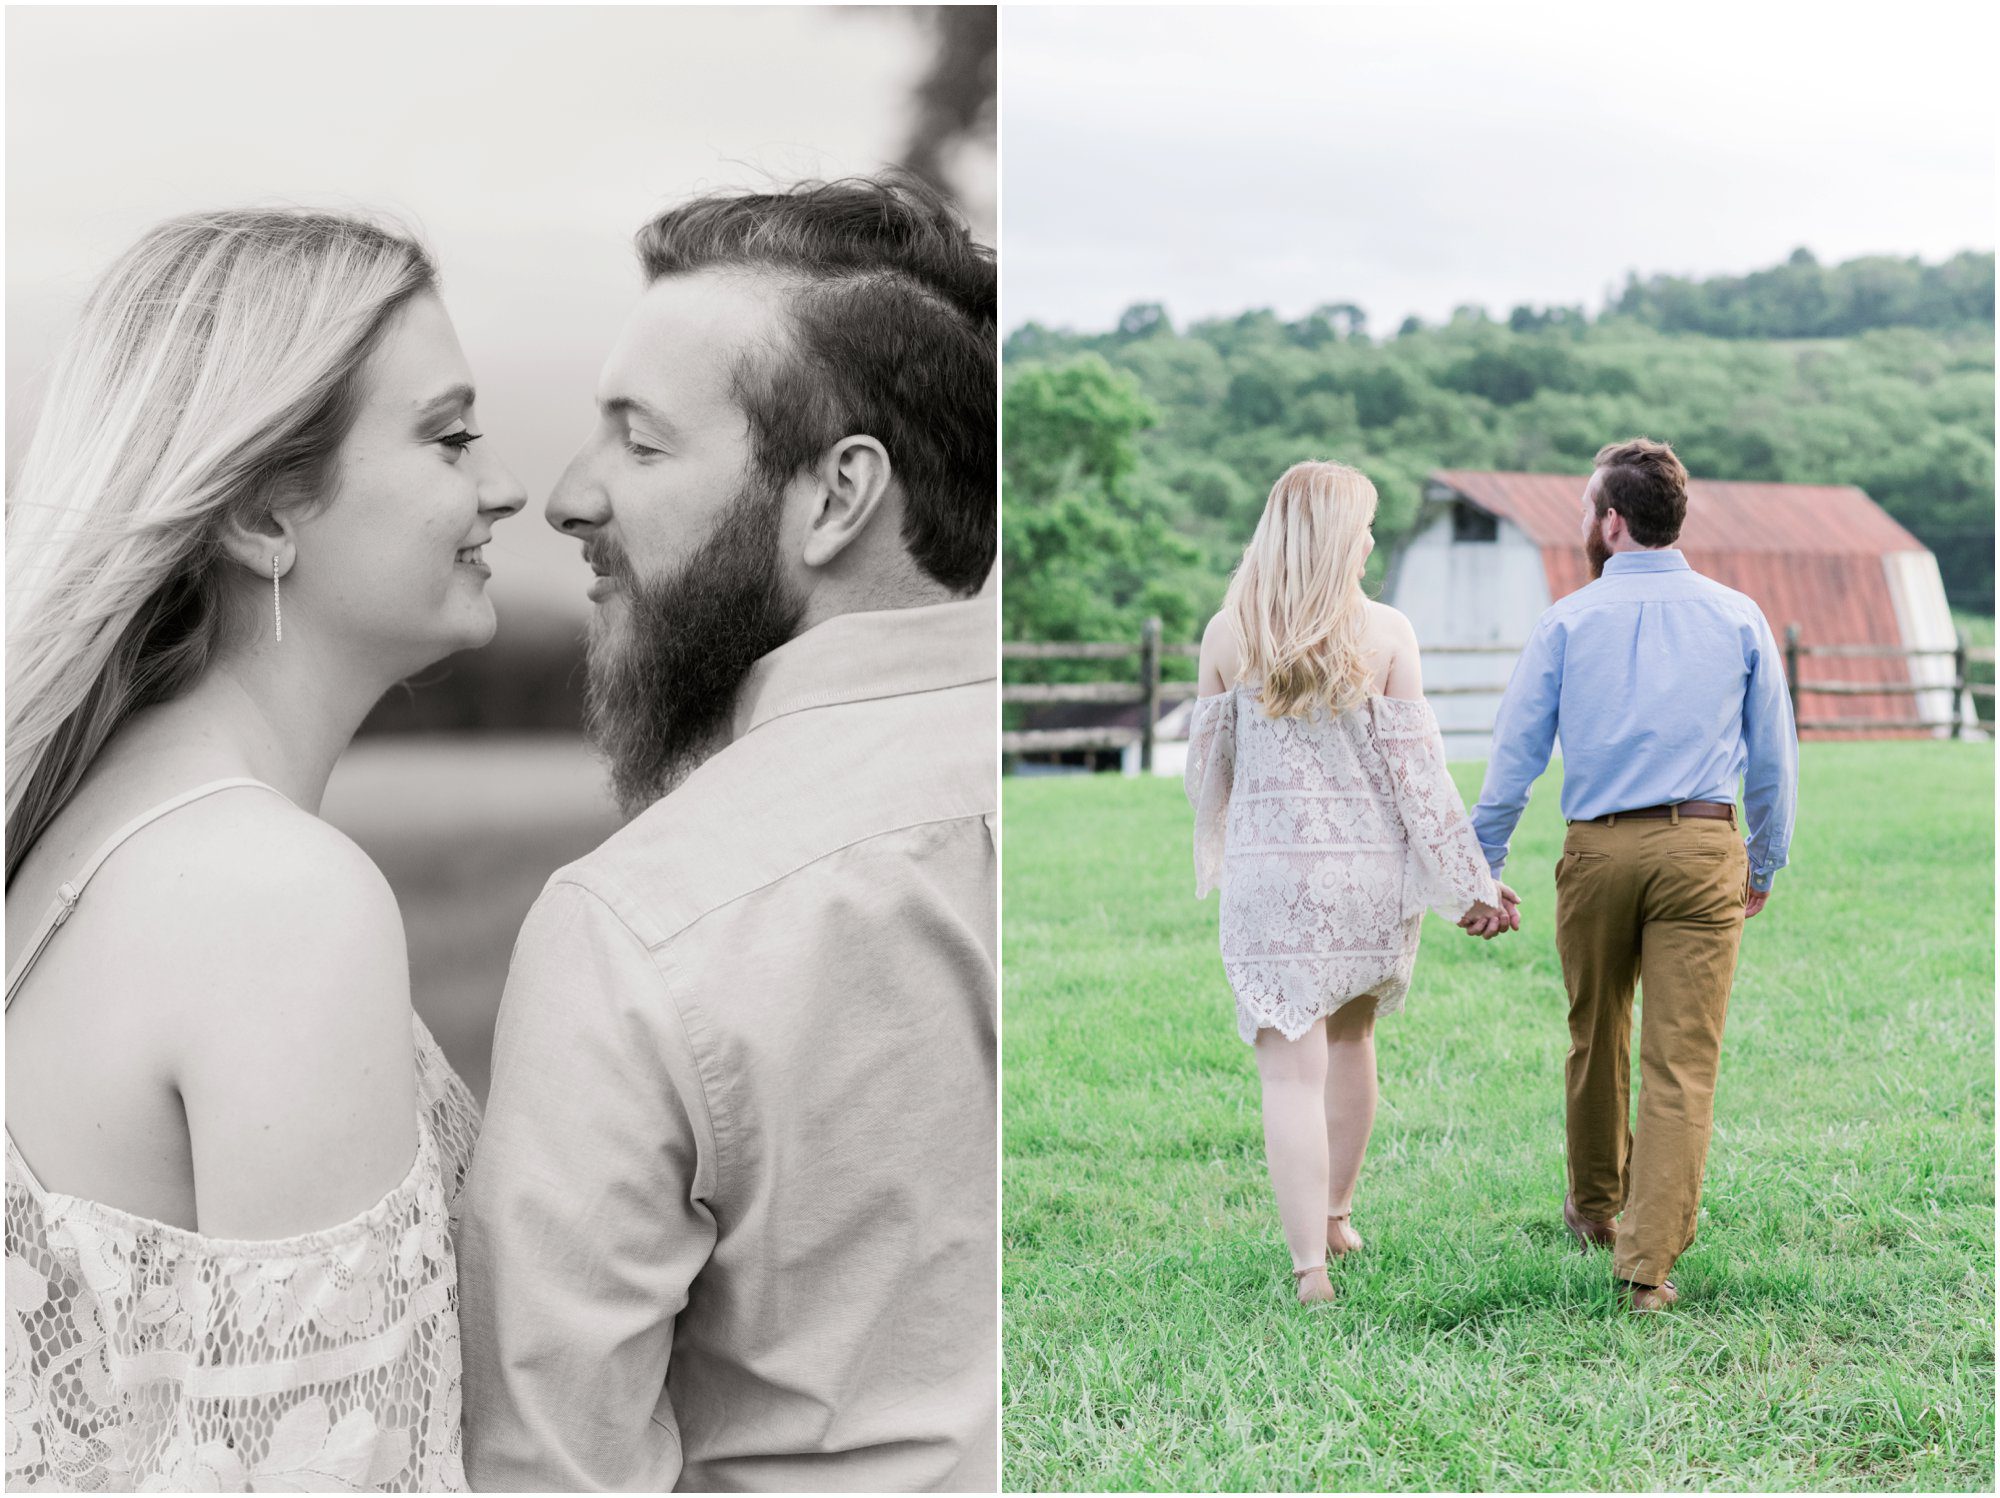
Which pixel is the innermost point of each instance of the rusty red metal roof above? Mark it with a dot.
(1809, 554)
(1722, 516)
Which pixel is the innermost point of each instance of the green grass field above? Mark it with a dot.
(1836, 1323)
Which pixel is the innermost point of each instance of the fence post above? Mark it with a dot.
(1958, 664)
(1149, 683)
(1792, 667)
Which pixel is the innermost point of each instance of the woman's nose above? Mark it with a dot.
(501, 494)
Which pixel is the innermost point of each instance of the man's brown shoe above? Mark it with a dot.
(1644, 1298)
(1589, 1234)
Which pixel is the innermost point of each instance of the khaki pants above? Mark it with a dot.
(1658, 902)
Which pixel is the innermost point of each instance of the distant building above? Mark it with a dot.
(1491, 551)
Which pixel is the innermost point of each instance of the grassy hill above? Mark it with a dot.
(1137, 459)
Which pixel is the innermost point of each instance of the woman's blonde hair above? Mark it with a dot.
(1296, 598)
(211, 378)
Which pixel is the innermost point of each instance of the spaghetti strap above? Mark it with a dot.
(71, 890)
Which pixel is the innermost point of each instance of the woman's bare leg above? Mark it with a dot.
(1295, 1137)
(1349, 1095)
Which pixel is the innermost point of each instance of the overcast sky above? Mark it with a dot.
(1416, 158)
(527, 143)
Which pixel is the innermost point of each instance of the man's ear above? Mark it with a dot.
(854, 477)
(253, 541)
(1615, 529)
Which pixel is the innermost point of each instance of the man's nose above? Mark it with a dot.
(577, 505)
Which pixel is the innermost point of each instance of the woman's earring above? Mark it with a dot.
(277, 603)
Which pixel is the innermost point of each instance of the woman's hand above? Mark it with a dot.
(1488, 921)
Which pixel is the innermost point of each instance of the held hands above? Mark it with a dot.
(1486, 921)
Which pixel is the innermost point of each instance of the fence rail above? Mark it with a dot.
(1961, 656)
(1149, 690)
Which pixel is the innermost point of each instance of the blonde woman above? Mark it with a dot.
(253, 502)
(1324, 813)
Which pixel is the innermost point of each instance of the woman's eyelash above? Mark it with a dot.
(460, 440)
(638, 451)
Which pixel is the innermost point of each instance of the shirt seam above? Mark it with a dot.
(1562, 608)
(708, 1110)
(817, 703)
(798, 868)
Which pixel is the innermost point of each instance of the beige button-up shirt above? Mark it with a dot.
(731, 1223)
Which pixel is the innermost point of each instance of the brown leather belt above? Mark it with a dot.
(1720, 811)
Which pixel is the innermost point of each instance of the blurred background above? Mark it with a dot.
(526, 144)
(1420, 240)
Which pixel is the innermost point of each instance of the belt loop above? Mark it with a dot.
(1674, 814)
(1612, 820)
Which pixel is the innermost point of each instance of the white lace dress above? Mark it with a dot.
(1329, 838)
(143, 1357)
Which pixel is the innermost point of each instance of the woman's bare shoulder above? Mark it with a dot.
(243, 882)
(250, 957)
(1221, 647)
(300, 1018)
(1221, 656)
(1389, 621)
(255, 848)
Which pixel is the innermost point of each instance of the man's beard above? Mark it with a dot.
(1594, 549)
(662, 689)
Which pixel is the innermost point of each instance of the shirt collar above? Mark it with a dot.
(1666, 559)
(880, 653)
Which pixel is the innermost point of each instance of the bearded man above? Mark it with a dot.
(1667, 689)
(731, 1221)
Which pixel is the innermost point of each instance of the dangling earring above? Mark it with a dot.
(277, 604)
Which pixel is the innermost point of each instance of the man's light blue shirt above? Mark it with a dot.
(1666, 686)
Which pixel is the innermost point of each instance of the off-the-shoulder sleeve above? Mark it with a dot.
(324, 1362)
(1445, 870)
(1211, 769)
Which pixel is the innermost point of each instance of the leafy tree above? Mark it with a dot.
(1137, 460)
(1095, 538)
(1804, 299)
(1143, 319)
(1074, 423)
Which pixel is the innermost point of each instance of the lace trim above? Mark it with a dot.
(1207, 779)
(1291, 1003)
(62, 1209)
(143, 1356)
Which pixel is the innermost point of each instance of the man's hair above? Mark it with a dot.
(1644, 482)
(892, 309)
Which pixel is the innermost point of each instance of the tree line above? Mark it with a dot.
(1136, 460)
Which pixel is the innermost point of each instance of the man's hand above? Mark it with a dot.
(1754, 901)
(1487, 921)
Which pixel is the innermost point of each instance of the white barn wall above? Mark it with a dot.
(1170, 743)
(1454, 593)
(1923, 617)
(1468, 593)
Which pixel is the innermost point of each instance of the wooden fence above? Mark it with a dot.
(1149, 691)
(1959, 686)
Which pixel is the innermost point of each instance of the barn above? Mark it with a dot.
(1491, 551)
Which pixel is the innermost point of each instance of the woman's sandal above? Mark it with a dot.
(1349, 1240)
(1310, 1294)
